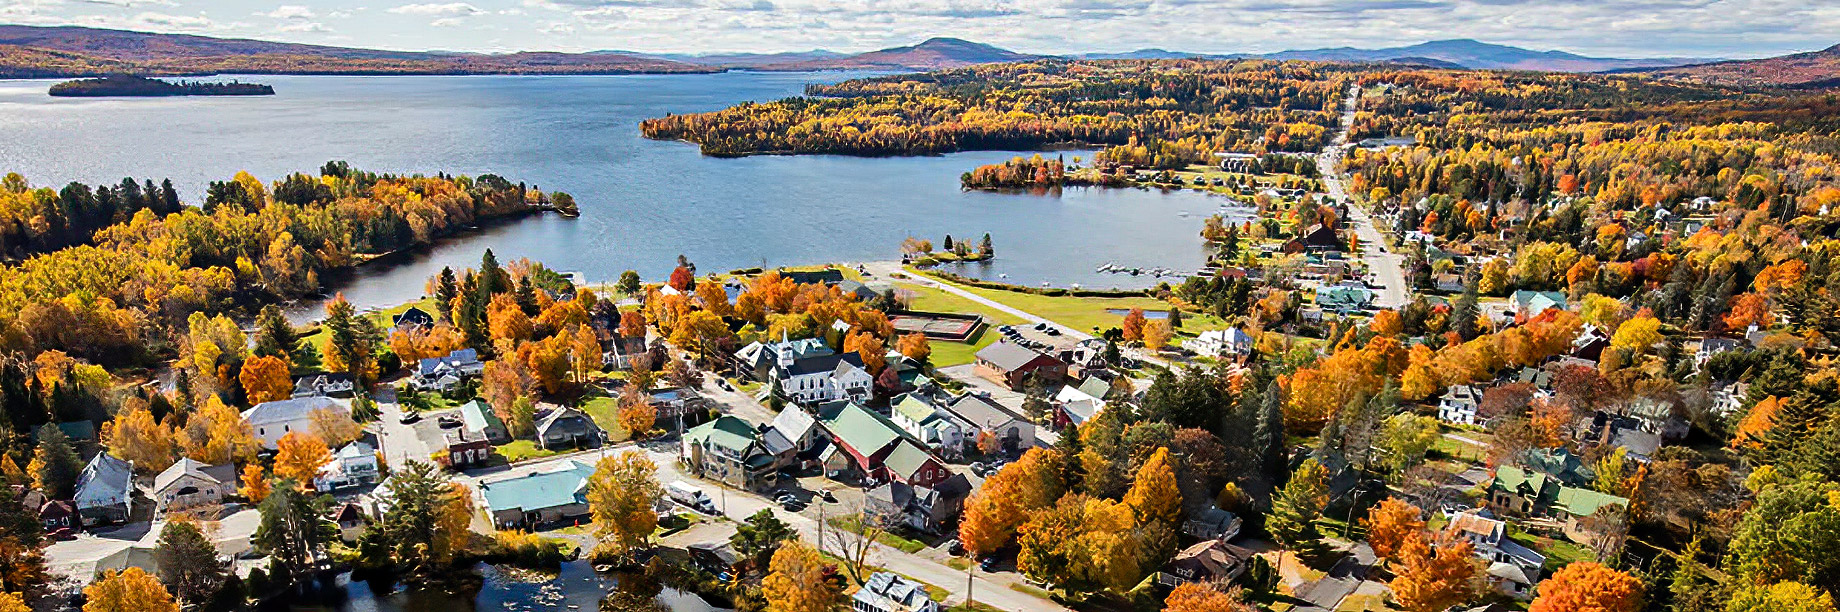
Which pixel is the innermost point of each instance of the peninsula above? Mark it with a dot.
(135, 86)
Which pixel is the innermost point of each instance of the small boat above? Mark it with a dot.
(1002, 275)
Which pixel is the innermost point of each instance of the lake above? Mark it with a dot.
(576, 587)
(643, 202)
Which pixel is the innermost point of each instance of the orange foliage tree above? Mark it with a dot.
(1588, 587)
(266, 379)
(1391, 525)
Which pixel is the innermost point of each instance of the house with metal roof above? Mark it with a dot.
(865, 441)
(1010, 432)
(1518, 492)
(565, 427)
(553, 495)
(1012, 365)
(444, 372)
(909, 463)
(1218, 343)
(938, 429)
(190, 483)
(337, 384)
(105, 490)
(929, 509)
(1344, 298)
(729, 450)
(793, 438)
(478, 419)
(1528, 303)
(891, 592)
(1073, 407)
(273, 420)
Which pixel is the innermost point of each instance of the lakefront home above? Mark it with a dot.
(448, 371)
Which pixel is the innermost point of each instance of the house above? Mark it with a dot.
(891, 592)
(863, 440)
(991, 420)
(1205, 562)
(413, 319)
(1212, 524)
(1344, 298)
(1225, 343)
(54, 514)
(1529, 303)
(821, 378)
(1710, 347)
(1513, 569)
(728, 450)
(940, 431)
(827, 276)
(718, 558)
(353, 465)
(1012, 365)
(927, 509)
(1074, 407)
(1315, 238)
(1513, 580)
(1590, 343)
(337, 384)
(756, 360)
(1447, 283)
(350, 519)
(273, 420)
(1458, 405)
(445, 372)
(548, 496)
(670, 403)
(1728, 399)
(792, 437)
(566, 428)
(105, 491)
(482, 423)
(620, 352)
(463, 450)
(911, 464)
(190, 483)
(1517, 492)
(1658, 417)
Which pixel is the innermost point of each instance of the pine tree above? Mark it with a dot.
(54, 465)
(446, 289)
(275, 337)
(188, 562)
(1294, 511)
(1268, 438)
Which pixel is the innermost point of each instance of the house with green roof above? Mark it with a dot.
(868, 442)
(941, 431)
(549, 496)
(481, 421)
(729, 450)
(1529, 493)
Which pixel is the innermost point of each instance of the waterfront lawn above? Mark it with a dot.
(947, 354)
(1087, 314)
(314, 334)
(929, 299)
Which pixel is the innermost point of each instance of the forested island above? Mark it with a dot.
(143, 87)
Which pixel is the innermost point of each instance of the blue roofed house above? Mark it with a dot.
(552, 495)
(105, 490)
(446, 372)
(483, 423)
(729, 450)
(1530, 303)
(891, 592)
(273, 420)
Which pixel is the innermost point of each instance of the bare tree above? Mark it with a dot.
(853, 540)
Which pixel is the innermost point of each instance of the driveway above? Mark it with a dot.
(400, 444)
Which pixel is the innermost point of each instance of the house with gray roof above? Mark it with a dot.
(1012, 365)
(190, 484)
(756, 360)
(565, 428)
(793, 438)
(891, 592)
(822, 378)
(1011, 432)
(105, 490)
(444, 372)
(273, 420)
(729, 450)
(927, 509)
(353, 465)
(337, 384)
(549, 496)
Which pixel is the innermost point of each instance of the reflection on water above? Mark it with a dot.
(576, 587)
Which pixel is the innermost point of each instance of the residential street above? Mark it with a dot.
(1386, 266)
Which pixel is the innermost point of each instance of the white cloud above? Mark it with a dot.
(449, 9)
(134, 3)
(289, 11)
(304, 26)
(175, 22)
(447, 22)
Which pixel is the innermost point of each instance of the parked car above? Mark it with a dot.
(826, 494)
(448, 421)
(410, 418)
(988, 564)
(955, 547)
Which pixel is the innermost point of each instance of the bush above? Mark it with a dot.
(529, 550)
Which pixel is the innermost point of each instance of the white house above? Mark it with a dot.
(822, 378)
(986, 417)
(1514, 569)
(190, 483)
(1221, 343)
(443, 373)
(891, 592)
(353, 465)
(1458, 405)
(941, 431)
(272, 420)
(105, 490)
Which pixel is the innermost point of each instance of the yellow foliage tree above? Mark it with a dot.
(255, 484)
(217, 434)
(265, 379)
(621, 496)
(299, 457)
(1153, 497)
(134, 435)
(796, 581)
(130, 590)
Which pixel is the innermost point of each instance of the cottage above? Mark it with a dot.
(349, 516)
(1590, 343)
(336, 384)
(105, 491)
(1513, 568)
(674, 402)
(891, 592)
(910, 464)
(354, 465)
(462, 450)
(1458, 405)
(445, 372)
(932, 425)
(1221, 344)
(1206, 562)
(993, 422)
(792, 437)
(728, 450)
(481, 422)
(1012, 365)
(273, 420)
(190, 484)
(928, 509)
(1529, 303)
(568, 428)
(53, 514)
(1073, 407)
(552, 495)
(1315, 239)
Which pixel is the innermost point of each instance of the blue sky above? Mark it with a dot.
(1624, 28)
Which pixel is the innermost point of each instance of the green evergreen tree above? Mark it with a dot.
(275, 337)
(1294, 511)
(188, 562)
(57, 466)
(760, 535)
(294, 529)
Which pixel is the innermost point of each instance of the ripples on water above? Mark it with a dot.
(643, 202)
(576, 587)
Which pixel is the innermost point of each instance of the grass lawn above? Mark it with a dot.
(973, 606)
(1559, 553)
(1089, 313)
(523, 450)
(929, 299)
(958, 563)
(315, 335)
(853, 523)
(1024, 588)
(947, 354)
(606, 412)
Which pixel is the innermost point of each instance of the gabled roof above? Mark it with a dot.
(479, 415)
(1579, 501)
(413, 316)
(822, 363)
(564, 415)
(288, 410)
(104, 475)
(355, 450)
(981, 412)
(560, 486)
(891, 591)
(220, 474)
(863, 430)
(1490, 529)
(907, 459)
(1009, 356)
(915, 409)
(1096, 387)
(727, 432)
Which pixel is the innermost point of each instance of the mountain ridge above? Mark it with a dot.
(1805, 70)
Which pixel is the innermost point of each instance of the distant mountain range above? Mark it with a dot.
(1810, 70)
(30, 51)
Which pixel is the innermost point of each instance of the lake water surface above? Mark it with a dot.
(576, 587)
(643, 202)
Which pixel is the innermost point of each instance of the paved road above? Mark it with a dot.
(400, 444)
(1388, 267)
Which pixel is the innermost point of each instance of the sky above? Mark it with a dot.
(1610, 28)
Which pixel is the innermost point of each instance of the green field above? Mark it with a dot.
(945, 354)
(1090, 314)
(315, 335)
(606, 412)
